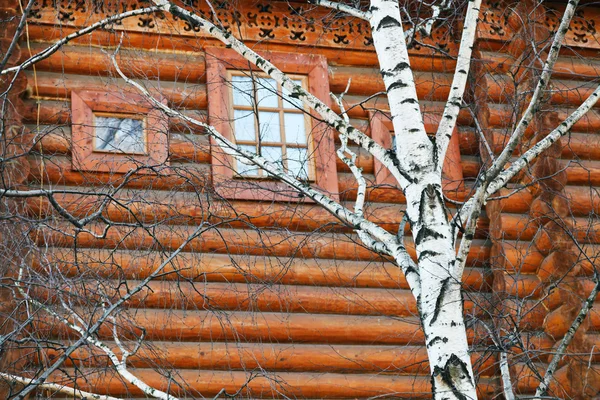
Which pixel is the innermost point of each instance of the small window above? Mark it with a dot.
(116, 132)
(121, 134)
(254, 111)
(269, 122)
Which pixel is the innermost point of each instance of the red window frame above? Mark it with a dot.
(85, 103)
(225, 180)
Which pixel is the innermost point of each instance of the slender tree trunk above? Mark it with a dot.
(440, 300)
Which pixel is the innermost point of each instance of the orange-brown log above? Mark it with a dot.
(242, 269)
(583, 146)
(593, 339)
(582, 172)
(522, 227)
(357, 107)
(155, 43)
(576, 68)
(49, 85)
(523, 285)
(526, 380)
(58, 171)
(281, 385)
(260, 298)
(367, 81)
(570, 93)
(430, 86)
(59, 142)
(153, 64)
(495, 62)
(500, 88)
(519, 256)
(386, 193)
(583, 200)
(227, 241)
(470, 166)
(186, 326)
(49, 112)
(594, 318)
(182, 208)
(272, 357)
(511, 201)
(558, 321)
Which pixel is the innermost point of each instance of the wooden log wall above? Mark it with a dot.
(555, 212)
(280, 296)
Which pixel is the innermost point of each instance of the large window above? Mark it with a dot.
(254, 111)
(269, 122)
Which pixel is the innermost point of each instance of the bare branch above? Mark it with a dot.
(56, 46)
(355, 12)
(459, 83)
(541, 86)
(542, 389)
(57, 388)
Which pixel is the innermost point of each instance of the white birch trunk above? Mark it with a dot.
(440, 301)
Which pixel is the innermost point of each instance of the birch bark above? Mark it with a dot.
(440, 301)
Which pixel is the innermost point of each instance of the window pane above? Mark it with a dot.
(297, 160)
(291, 102)
(269, 126)
(243, 167)
(273, 154)
(119, 135)
(295, 132)
(267, 92)
(244, 125)
(242, 90)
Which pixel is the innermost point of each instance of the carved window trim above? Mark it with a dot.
(226, 181)
(382, 131)
(86, 104)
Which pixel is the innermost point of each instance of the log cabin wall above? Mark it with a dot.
(278, 299)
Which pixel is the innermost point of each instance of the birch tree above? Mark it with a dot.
(442, 239)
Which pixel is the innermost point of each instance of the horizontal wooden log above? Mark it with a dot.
(522, 227)
(188, 209)
(519, 257)
(53, 140)
(500, 88)
(49, 85)
(430, 86)
(54, 112)
(582, 172)
(167, 43)
(256, 298)
(367, 81)
(576, 68)
(57, 140)
(107, 264)
(386, 193)
(581, 145)
(593, 339)
(86, 60)
(282, 385)
(228, 241)
(501, 114)
(192, 326)
(522, 286)
(272, 357)
(58, 171)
